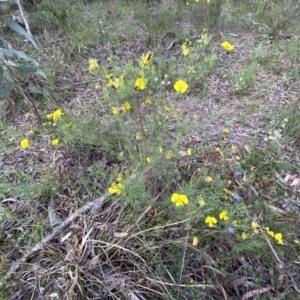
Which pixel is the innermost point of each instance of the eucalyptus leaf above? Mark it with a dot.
(1, 77)
(9, 53)
(25, 70)
(4, 43)
(23, 55)
(11, 63)
(7, 89)
(19, 105)
(40, 72)
(36, 90)
(16, 27)
(11, 74)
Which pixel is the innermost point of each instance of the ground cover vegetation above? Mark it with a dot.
(150, 150)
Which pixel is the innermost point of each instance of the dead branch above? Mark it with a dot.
(21, 9)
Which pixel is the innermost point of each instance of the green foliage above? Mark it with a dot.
(249, 247)
(204, 15)
(279, 17)
(52, 15)
(289, 121)
(14, 65)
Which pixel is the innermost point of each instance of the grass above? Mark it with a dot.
(202, 175)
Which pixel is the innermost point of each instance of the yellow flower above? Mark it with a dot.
(175, 116)
(187, 3)
(254, 226)
(271, 233)
(160, 149)
(244, 235)
(118, 82)
(126, 106)
(119, 178)
(49, 116)
(197, 0)
(115, 111)
(24, 144)
(121, 155)
(278, 238)
(116, 188)
(140, 83)
(169, 155)
(218, 149)
(31, 131)
(179, 199)
(185, 49)
(227, 46)
(167, 108)
(211, 221)
(146, 59)
(223, 215)
(237, 157)
(225, 130)
(93, 65)
(148, 159)
(202, 202)
(148, 101)
(208, 1)
(97, 86)
(56, 115)
(138, 136)
(188, 151)
(234, 223)
(232, 147)
(204, 29)
(195, 241)
(226, 191)
(180, 86)
(296, 241)
(208, 179)
(55, 142)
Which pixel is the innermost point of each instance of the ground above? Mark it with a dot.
(232, 140)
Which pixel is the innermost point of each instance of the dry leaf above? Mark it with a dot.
(255, 292)
(295, 182)
(120, 234)
(64, 238)
(274, 208)
(287, 177)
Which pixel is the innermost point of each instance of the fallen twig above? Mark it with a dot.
(15, 266)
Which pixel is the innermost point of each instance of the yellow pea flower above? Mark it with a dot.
(179, 199)
(24, 144)
(181, 86)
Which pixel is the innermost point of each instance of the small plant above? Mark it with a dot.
(245, 79)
